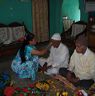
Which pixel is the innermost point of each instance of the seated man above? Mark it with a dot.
(58, 57)
(81, 70)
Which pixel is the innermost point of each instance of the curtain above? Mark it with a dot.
(40, 19)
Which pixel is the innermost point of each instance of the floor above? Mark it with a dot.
(5, 63)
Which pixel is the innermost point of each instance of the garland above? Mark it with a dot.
(25, 91)
(40, 88)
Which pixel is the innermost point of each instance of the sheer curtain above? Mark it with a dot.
(40, 19)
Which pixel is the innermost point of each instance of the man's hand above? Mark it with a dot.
(72, 78)
(45, 65)
(44, 68)
(49, 66)
(75, 80)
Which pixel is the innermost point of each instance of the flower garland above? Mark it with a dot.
(31, 90)
(40, 88)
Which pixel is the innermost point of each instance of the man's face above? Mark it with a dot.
(80, 48)
(55, 43)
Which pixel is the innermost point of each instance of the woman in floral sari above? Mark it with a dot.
(26, 62)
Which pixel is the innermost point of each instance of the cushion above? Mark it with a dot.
(14, 34)
(77, 29)
(18, 32)
(10, 36)
(3, 34)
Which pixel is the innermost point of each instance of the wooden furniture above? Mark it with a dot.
(91, 39)
(9, 50)
(91, 30)
(11, 38)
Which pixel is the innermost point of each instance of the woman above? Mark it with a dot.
(26, 62)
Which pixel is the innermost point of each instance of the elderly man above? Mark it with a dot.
(82, 64)
(58, 57)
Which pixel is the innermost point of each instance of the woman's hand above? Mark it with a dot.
(49, 66)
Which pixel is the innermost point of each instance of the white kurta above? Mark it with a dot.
(58, 57)
(83, 65)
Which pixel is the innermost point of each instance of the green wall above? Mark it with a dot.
(55, 16)
(73, 9)
(70, 8)
(84, 14)
(15, 10)
(60, 8)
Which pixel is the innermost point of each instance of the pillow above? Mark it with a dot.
(77, 29)
(18, 32)
(3, 34)
(10, 36)
(14, 34)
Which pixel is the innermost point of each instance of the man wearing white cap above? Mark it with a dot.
(58, 57)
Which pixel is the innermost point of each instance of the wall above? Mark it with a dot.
(15, 10)
(84, 14)
(55, 16)
(74, 9)
(70, 8)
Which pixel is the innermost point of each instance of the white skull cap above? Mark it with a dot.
(56, 36)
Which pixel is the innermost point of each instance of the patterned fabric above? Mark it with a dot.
(77, 29)
(40, 19)
(10, 36)
(3, 34)
(27, 69)
(18, 32)
(13, 34)
(67, 23)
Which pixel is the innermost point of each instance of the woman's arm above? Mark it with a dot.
(43, 51)
(39, 52)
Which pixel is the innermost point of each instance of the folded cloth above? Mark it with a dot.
(51, 71)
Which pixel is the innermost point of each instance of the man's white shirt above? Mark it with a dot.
(58, 58)
(83, 65)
